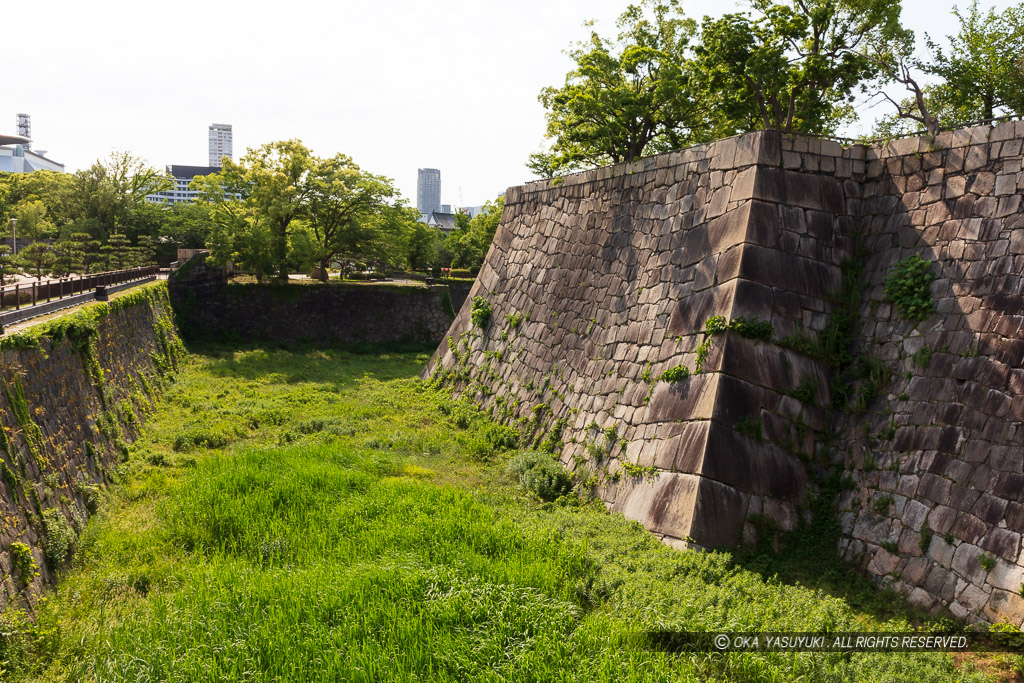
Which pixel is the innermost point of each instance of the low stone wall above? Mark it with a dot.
(74, 393)
(332, 313)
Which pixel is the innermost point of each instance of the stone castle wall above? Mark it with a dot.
(613, 273)
(70, 401)
(938, 459)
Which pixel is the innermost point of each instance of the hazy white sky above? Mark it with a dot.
(395, 84)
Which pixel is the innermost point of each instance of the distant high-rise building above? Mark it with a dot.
(25, 128)
(220, 142)
(428, 191)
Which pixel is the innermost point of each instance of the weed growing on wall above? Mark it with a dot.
(750, 425)
(446, 303)
(540, 474)
(676, 374)
(480, 311)
(750, 328)
(58, 536)
(30, 432)
(908, 288)
(23, 562)
(923, 357)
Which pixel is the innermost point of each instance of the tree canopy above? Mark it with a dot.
(282, 206)
(661, 84)
(81, 211)
(626, 97)
(982, 70)
(664, 82)
(978, 75)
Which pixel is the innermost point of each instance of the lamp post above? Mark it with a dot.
(14, 232)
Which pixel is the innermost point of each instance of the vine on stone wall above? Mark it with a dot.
(81, 332)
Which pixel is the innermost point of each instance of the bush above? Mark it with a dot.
(201, 438)
(908, 287)
(540, 474)
(474, 271)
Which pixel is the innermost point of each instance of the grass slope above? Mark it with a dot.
(320, 515)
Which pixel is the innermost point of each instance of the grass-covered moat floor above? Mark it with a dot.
(321, 515)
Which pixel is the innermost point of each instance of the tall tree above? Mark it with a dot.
(113, 190)
(117, 252)
(33, 223)
(89, 249)
(238, 232)
(983, 67)
(469, 242)
(793, 66)
(272, 180)
(9, 266)
(345, 209)
(424, 246)
(626, 97)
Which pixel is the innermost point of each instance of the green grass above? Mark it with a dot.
(353, 523)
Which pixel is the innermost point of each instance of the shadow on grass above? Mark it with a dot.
(294, 363)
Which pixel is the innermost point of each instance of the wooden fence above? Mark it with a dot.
(23, 294)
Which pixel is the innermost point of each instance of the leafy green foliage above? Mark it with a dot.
(480, 311)
(36, 259)
(751, 328)
(980, 70)
(923, 357)
(467, 245)
(676, 374)
(805, 391)
(23, 562)
(987, 562)
(716, 324)
(58, 536)
(908, 287)
(625, 98)
(750, 425)
(792, 66)
(541, 475)
(353, 214)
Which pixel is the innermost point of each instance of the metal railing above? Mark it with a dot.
(25, 294)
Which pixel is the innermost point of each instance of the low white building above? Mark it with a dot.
(183, 176)
(16, 157)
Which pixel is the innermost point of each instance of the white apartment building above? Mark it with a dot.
(220, 142)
